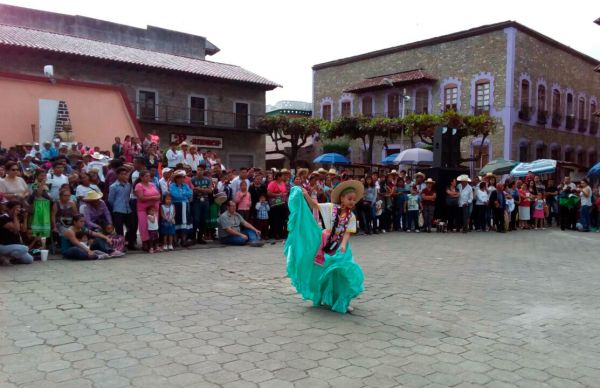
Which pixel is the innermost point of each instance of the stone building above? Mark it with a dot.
(171, 87)
(542, 91)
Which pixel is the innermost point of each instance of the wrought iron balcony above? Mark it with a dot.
(482, 110)
(542, 117)
(525, 113)
(556, 119)
(186, 116)
(570, 124)
(582, 125)
(594, 126)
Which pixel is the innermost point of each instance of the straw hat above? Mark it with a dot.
(301, 171)
(183, 143)
(92, 195)
(285, 171)
(429, 180)
(489, 175)
(98, 156)
(179, 173)
(394, 172)
(220, 198)
(419, 174)
(463, 178)
(354, 185)
(166, 170)
(321, 170)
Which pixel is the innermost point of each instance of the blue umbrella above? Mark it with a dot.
(594, 171)
(389, 160)
(331, 158)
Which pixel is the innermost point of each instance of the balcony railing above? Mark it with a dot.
(542, 117)
(482, 110)
(570, 124)
(556, 119)
(525, 113)
(594, 127)
(582, 125)
(172, 114)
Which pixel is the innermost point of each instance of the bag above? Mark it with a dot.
(546, 211)
(118, 243)
(421, 220)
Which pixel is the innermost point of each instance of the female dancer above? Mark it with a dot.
(319, 262)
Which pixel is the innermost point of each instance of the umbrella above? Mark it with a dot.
(540, 166)
(390, 159)
(594, 171)
(415, 156)
(331, 158)
(499, 167)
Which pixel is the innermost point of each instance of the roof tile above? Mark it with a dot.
(42, 40)
(386, 81)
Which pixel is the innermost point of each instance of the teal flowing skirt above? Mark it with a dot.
(335, 283)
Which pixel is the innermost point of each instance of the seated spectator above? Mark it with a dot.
(80, 243)
(63, 211)
(234, 230)
(95, 211)
(11, 248)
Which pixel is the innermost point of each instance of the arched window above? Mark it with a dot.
(326, 112)
(542, 114)
(570, 124)
(594, 119)
(482, 97)
(555, 153)
(524, 112)
(451, 97)
(540, 151)
(556, 108)
(581, 121)
(523, 151)
(366, 106)
(581, 157)
(393, 105)
(421, 101)
(569, 154)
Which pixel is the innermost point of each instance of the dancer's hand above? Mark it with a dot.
(343, 249)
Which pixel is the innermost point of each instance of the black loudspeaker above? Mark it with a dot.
(442, 178)
(446, 148)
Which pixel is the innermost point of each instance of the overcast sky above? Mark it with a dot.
(281, 40)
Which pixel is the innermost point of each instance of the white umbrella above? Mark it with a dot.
(415, 156)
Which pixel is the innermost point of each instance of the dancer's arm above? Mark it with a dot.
(311, 202)
(345, 241)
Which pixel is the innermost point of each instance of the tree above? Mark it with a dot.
(295, 132)
(363, 128)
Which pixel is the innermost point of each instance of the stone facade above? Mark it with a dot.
(499, 54)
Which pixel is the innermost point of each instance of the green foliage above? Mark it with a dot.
(339, 146)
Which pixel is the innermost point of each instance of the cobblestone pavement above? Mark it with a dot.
(521, 309)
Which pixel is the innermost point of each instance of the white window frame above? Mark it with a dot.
(137, 101)
(189, 110)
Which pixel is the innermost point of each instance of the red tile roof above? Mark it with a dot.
(41, 40)
(386, 81)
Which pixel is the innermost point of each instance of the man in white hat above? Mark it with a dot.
(95, 211)
(174, 157)
(35, 150)
(465, 199)
(48, 152)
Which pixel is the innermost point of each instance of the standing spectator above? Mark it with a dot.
(119, 195)
(165, 181)
(567, 214)
(127, 149)
(12, 249)
(147, 196)
(497, 200)
(525, 198)
(181, 195)
(551, 193)
(538, 211)
(428, 197)
(55, 179)
(257, 189)
(174, 156)
(585, 195)
(465, 200)
(40, 201)
(243, 200)
(235, 183)
(167, 222)
(85, 186)
(277, 194)
(413, 205)
(368, 206)
(152, 220)
(420, 181)
(202, 189)
(152, 158)
(482, 198)
(117, 148)
(399, 208)
(193, 158)
(262, 216)
(452, 209)
(48, 152)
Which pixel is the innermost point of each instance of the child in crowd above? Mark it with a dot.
(40, 203)
(413, 205)
(538, 210)
(152, 230)
(117, 242)
(262, 216)
(167, 222)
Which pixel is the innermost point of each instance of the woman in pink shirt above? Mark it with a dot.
(277, 194)
(147, 196)
(127, 149)
(243, 200)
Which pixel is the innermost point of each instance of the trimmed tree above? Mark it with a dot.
(289, 135)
